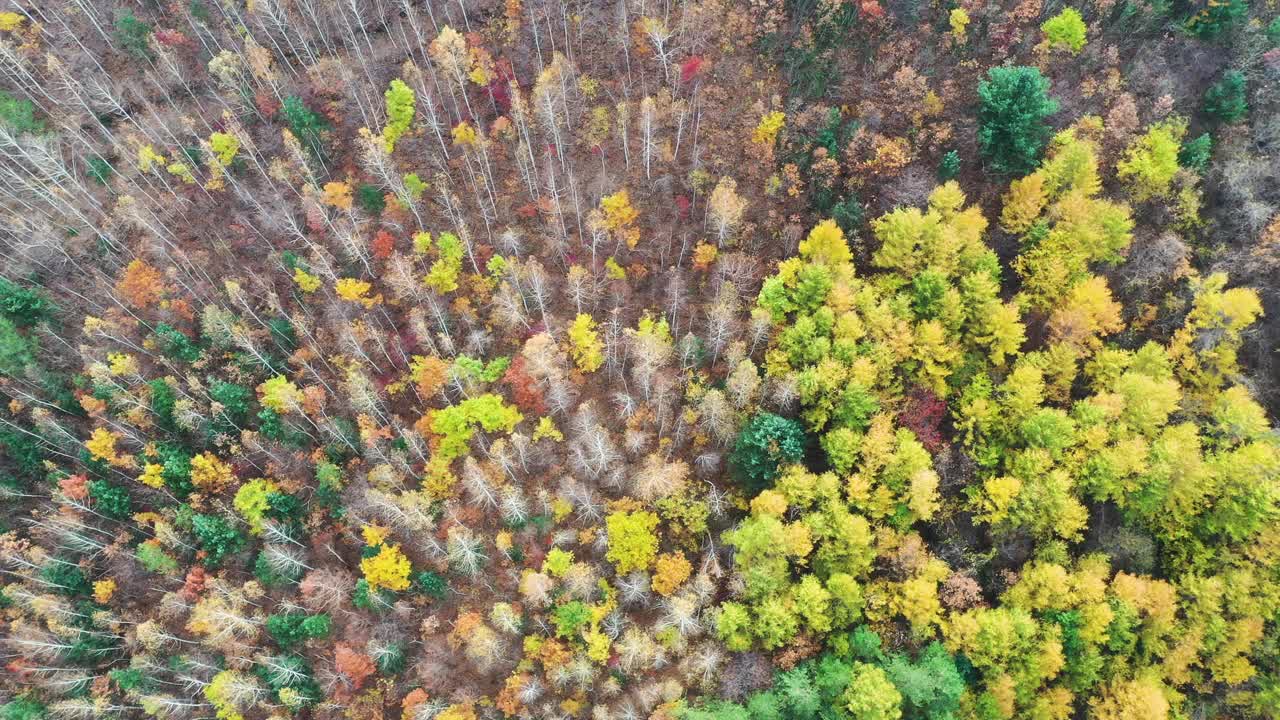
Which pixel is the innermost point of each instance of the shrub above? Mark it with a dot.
(949, 166)
(290, 629)
(24, 306)
(110, 500)
(216, 537)
(133, 35)
(1195, 154)
(19, 115)
(1226, 101)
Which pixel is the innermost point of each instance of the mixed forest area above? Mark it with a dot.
(639, 359)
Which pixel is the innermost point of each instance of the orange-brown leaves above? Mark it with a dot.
(140, 286)
(355, 666)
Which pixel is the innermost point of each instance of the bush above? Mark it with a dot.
(23, 306)
(100, 171)
(848, 214)
(22, 709)
(305, 124)
(110, 500)
(65, 577)
(290, 629)
(949, 167)
(764, 445)
(134, 35)
(1195, 154)
(216, 537)
(371, 199)
(19, 115)
(1012, 132)
(1225, 101)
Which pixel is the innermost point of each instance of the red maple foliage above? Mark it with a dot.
(524, 389)
(689, 68)
(923, 415)
(682, 206)
(384, 243)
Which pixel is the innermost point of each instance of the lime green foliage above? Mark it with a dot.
(155, 559)
(632, 542)
(400, 112)
(456, 423)
(225, 147)
(557, 562)
(734, 626)
(279, 395)
(763, 554)
(415, 186)
(1012, 131)
(571, 618)
(1065, 30)
(1151, 161)
(443, 276)
(1226, 101)
(765, 444)
(469, 368)
(252, 502)
(870, 695)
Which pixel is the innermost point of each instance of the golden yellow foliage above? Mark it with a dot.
(210, 474)
(1023, 203)
(103, 590)
(388, 569)
(620, 217)
(102, 446)
(770, 125)
(669, 571)
(357, 291)
(305, 281)
(338, 194)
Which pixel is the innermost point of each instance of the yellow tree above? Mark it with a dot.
(620, 218)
